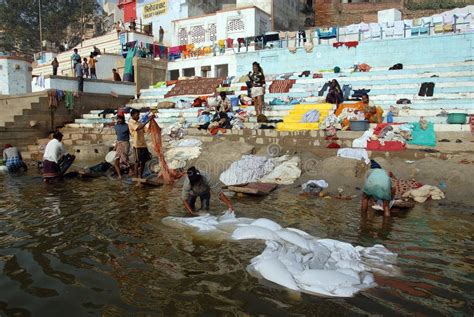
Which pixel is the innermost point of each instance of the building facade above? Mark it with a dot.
(232, 23)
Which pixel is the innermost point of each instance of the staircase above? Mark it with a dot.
(108, 43)
(292, 122)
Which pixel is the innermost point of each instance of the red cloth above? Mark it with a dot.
(351, 44)
(388, 146)
(375, 145)
(230, 43)
(337, 44)
(333, 145)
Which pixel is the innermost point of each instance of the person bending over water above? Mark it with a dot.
(197, 184)
(13, 160)
(56, 160)
(378, 186)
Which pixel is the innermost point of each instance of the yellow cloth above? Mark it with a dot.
(138, 136)
(221, 43)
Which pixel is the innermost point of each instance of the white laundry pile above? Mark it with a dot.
(423, 193)
(296, 260)
(251, 168)
(356, 154)
(285, 172)
(182, 151)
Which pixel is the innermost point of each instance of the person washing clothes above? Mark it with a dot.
(56, 160)
(140, 152)
(378, 186)
(197, 184)
(122, 145)
(13, 160)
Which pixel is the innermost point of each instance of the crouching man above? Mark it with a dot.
(56, 160)
(197, 185)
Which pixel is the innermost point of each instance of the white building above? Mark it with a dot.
(15, 75)
(112, 10)
(285, 12)
(164, 12)
(205, 30)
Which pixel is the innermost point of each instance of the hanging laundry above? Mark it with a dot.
(230, 43)
(69, 100)
(351, 44)
(52, 99)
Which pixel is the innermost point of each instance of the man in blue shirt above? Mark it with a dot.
(122, 145)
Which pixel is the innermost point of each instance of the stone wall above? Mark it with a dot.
(147, 72)
(36, 112)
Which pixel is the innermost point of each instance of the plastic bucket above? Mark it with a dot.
(359, 125)
(457, 118)
(111, 157)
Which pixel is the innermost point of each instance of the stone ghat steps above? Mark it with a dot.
(92, 144)
(253, 125)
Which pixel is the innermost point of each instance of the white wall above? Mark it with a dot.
(212, 61)
(286, 11)
(90, 86)
(176, 9)
(15, 76)
(105, 64)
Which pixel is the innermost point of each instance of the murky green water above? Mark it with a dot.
(99, 248)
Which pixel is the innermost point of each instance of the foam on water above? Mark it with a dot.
(295, 259)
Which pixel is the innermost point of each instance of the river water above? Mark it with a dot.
(98, 247)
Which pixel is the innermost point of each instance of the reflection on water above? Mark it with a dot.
(99, 248)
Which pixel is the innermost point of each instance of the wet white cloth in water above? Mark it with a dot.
(357, 154)
(296, 260)
(314, 186)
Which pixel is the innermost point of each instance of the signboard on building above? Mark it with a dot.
(155, 8)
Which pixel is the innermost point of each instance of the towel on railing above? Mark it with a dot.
(282, 35)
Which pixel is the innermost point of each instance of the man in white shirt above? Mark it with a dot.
(56, 160)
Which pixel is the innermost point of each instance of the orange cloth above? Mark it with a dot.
(169, 175)
(374, 115)
(356, 106)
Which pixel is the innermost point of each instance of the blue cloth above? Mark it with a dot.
(374, 164)
(311, 116)
(423, 137)
(378, 185)
(13, 163)
(122, 132)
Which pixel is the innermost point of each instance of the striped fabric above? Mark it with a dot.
(281, 86)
